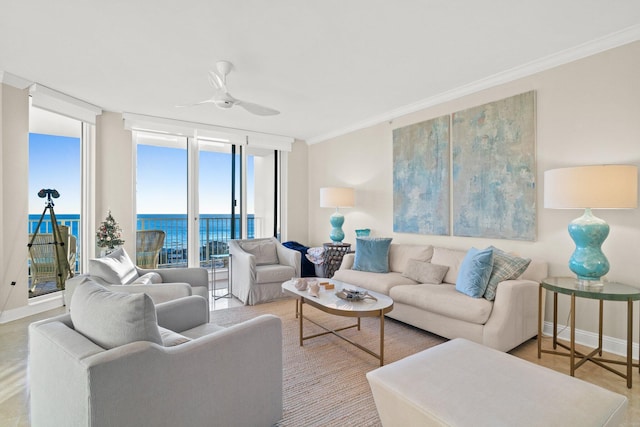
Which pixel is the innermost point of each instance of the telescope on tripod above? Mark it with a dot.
(62, 267)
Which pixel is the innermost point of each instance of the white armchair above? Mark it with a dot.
(259, 267)
(109, 364)
(117, 272)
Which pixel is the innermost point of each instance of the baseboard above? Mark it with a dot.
(590, 339)
(36, 305)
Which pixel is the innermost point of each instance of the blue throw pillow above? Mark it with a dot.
(474, 272)
(372, 254)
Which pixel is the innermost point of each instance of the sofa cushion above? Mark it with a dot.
(115, 268)
(274, 273)
(475, 271)
(400, 254)
(425, 272)
(112, 319)
(452, 258)
(377, 282)
(202, 330)
(505, 267)
(538, 269)
(444, 300)
(265, 251)
(372, 254)
(148, 279)
(170, 338)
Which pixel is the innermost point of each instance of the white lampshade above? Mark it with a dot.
(598, 187)
(337, 197)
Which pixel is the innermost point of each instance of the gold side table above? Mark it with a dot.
(611, 291)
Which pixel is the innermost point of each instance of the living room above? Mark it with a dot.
(586, 113)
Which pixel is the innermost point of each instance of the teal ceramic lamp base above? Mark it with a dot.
(588, 261)
(336, 220)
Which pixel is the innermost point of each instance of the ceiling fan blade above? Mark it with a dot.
(259, 110)
(206, 101)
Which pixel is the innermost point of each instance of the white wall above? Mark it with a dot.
(587, 113)
(14, 212)
(115, 176)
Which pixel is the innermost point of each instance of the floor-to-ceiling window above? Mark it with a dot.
(54, 164)
(161, 193)
(220, 183)
(263, 193)
(234, 194)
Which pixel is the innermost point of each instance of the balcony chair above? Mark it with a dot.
(117, 272)
(259, 267)
(148, 246)
(119, 360)
(44, 267)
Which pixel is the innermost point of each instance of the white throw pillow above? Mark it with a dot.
(115, 268)
(148, 279)
(265, 251)
(425, 272)
(112, 319)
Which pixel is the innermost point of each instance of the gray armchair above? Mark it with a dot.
(259, 267)
(117, 272)
(193, 374)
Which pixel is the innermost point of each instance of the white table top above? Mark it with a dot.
(329, 299)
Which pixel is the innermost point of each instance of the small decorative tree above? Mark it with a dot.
(109, 234)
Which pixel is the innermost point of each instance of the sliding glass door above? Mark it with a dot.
(218, 190)
(203, 192)
(161, 194)
(263, 196)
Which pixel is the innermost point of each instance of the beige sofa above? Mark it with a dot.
(504, 323)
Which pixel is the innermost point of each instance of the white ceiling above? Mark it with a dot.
(329, 66)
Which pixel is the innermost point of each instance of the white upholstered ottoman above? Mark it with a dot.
(461, 383)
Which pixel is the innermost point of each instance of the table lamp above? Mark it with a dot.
(590, 187)
(336, 197)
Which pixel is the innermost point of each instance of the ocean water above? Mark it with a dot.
(213, 227)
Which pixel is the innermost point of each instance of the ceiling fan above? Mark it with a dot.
(223, 99)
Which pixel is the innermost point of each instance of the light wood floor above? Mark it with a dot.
(14, 392)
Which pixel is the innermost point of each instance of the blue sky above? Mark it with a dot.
(54, 162)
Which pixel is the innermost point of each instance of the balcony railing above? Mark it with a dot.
(214, 235)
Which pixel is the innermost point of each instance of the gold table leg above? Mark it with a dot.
(555, 320)
(572, 357)
(629, 341)
(540, 322)
(301, 317)
(381, 338)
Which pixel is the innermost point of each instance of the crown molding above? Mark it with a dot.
(619, 38)
(13, 80)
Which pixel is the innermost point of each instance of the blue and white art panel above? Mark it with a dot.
(494, 175)
(421, 178)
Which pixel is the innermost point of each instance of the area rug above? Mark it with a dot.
(324, 381)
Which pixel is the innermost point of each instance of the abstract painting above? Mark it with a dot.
(421, 177)
(494, 178)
